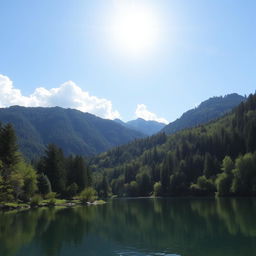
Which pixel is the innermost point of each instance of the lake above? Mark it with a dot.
(127, 227)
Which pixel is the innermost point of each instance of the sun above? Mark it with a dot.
(134, 29)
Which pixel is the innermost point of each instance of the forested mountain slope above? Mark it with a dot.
(74, 131)
(207, 111)
(218, 156)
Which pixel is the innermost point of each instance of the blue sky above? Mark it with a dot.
(203, 49)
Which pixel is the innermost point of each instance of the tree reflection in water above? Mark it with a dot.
(195, 227)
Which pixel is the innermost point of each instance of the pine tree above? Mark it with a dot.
(44, 185)
(55, 168)
(8, 148)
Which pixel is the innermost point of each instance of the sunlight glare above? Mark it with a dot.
(134, 29)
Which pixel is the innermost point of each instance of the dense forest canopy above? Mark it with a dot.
(75, 132)
(53, 175)
(216, 157)
(208, 110)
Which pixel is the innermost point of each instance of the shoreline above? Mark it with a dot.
(26, 206)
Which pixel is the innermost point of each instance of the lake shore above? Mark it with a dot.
(45, 203)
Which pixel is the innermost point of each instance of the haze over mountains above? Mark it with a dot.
(85, 134)
(141, 125)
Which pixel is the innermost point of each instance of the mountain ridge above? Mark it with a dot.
(74, 131)
(206, 111)
(148, 127)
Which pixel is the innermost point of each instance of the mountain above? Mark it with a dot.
(119, 121)
(219, 156)
(146, 127)
(72, 130)
(208, 110)
(143, 126)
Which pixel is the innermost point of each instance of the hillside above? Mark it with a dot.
(215, 157)
(74, 131)
(208, 110)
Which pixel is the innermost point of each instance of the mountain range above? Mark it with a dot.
(217, 157)
(72, 130)
(208, 110)
(82, 133)
(143, 126)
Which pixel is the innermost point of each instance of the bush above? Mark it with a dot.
(51, 195)
(72, 190)
(52, 202)
(157, 189)
(203, 187)
(52, 198)
(88, 195)
(35, 200)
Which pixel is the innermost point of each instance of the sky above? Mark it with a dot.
(153, 59)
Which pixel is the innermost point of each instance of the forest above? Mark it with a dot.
(218, 158)
(215, 158)
(52, 176)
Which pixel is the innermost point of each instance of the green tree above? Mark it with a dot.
(8, 147)
(144, 182)
(157, 189)
(88, 195)
(244, 182)
(132, 189)
(72, 190)
(44, 185)
(165, 177)
(79, 172)
(54, 168)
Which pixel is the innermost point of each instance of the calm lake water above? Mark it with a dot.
(127, 227)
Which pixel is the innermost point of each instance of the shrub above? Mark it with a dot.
(88, 195)
(157, 189)
(35, 200)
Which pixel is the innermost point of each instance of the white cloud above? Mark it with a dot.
(142, 112)
(67, 95)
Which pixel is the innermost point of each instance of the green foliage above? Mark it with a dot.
(208, 110)
(44, 185)
(144, 182)
(224, 180)
(192, 161)
(203, 187)
(157, 189)
(244, 182)
(78, 172)
(72, 190)
(88, 195)
(35, 200)
(6, 191)
(77, 133)
(227, 165)
(54, 168)
(8, 147)
(132, 189)
(18, 180)
(51, 197)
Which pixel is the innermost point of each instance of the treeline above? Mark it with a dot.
(18, 180)
(54, 175)
(66, 176)
(217, 157)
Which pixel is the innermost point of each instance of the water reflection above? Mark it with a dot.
(173, 227)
